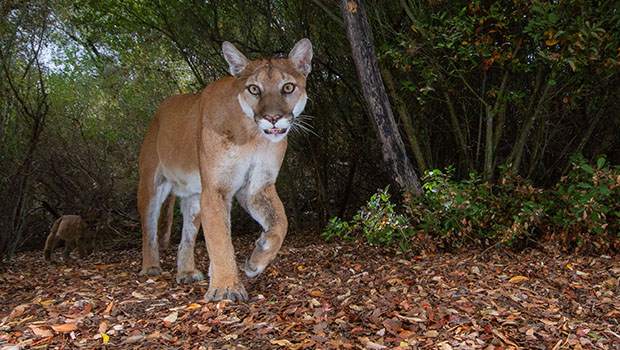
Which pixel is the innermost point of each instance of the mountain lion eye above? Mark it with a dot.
(288, 88)
(254, 90)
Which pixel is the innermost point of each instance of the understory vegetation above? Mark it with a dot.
(581, 212)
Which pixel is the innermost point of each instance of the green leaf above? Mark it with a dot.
(553, 18)
(587, 168)
(604, 190)
(538, 9)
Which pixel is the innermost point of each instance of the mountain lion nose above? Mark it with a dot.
(273, 119)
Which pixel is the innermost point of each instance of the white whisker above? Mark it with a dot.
(302, 125)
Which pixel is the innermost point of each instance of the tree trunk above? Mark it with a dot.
(392, 146)
(494, 131)
(519, 147)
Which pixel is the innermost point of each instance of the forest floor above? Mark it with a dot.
(318, 295)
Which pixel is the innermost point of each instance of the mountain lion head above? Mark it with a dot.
(272, 91)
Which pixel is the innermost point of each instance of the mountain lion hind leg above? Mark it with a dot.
(164, 228)
(52, 241)
(150, 199)
(186, 267)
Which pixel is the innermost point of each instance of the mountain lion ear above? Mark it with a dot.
(236, 60)
(301, 55)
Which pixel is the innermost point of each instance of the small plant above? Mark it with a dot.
(377, 222)
(337, 227)
(438, 186)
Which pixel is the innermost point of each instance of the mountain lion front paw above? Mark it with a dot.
(234, 293)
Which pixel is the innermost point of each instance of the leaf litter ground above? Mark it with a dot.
(318, 295)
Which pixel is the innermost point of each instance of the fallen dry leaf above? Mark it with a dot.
(518, 279)
(172, 317)
(284, 342)
(63, 328)
(109, 307)
(371, 345)
(18, 311)
(103, 327)
(39, 332)
(133, 339)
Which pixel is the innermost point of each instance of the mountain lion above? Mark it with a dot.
(227, 142)
(75, 232)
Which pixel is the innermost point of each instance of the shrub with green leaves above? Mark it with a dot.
(378, 222)
(476, 211)
(583, 207)
(586, 203)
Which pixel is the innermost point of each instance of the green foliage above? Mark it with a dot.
(529, 70)
(377, 222)
(583, 207)
(336, 227)
(586, 202)
(476, 211)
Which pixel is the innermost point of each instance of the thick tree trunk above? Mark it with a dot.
(392, 146)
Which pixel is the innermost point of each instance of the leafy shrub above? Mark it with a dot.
(583, 207)
(476, 211)
(586, 204)
(378, 222)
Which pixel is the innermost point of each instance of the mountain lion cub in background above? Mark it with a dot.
(75, 232)
(227, 142)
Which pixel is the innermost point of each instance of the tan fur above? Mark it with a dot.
(75, 232)
(227, 142)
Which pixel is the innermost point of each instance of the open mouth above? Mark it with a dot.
(275, 131)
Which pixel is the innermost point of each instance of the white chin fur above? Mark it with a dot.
(276, 137)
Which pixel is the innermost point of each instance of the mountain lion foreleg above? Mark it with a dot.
(83, 247)
(149, 204)
(69, 246)
(224, 282)
(267, 209)
(186, 268)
